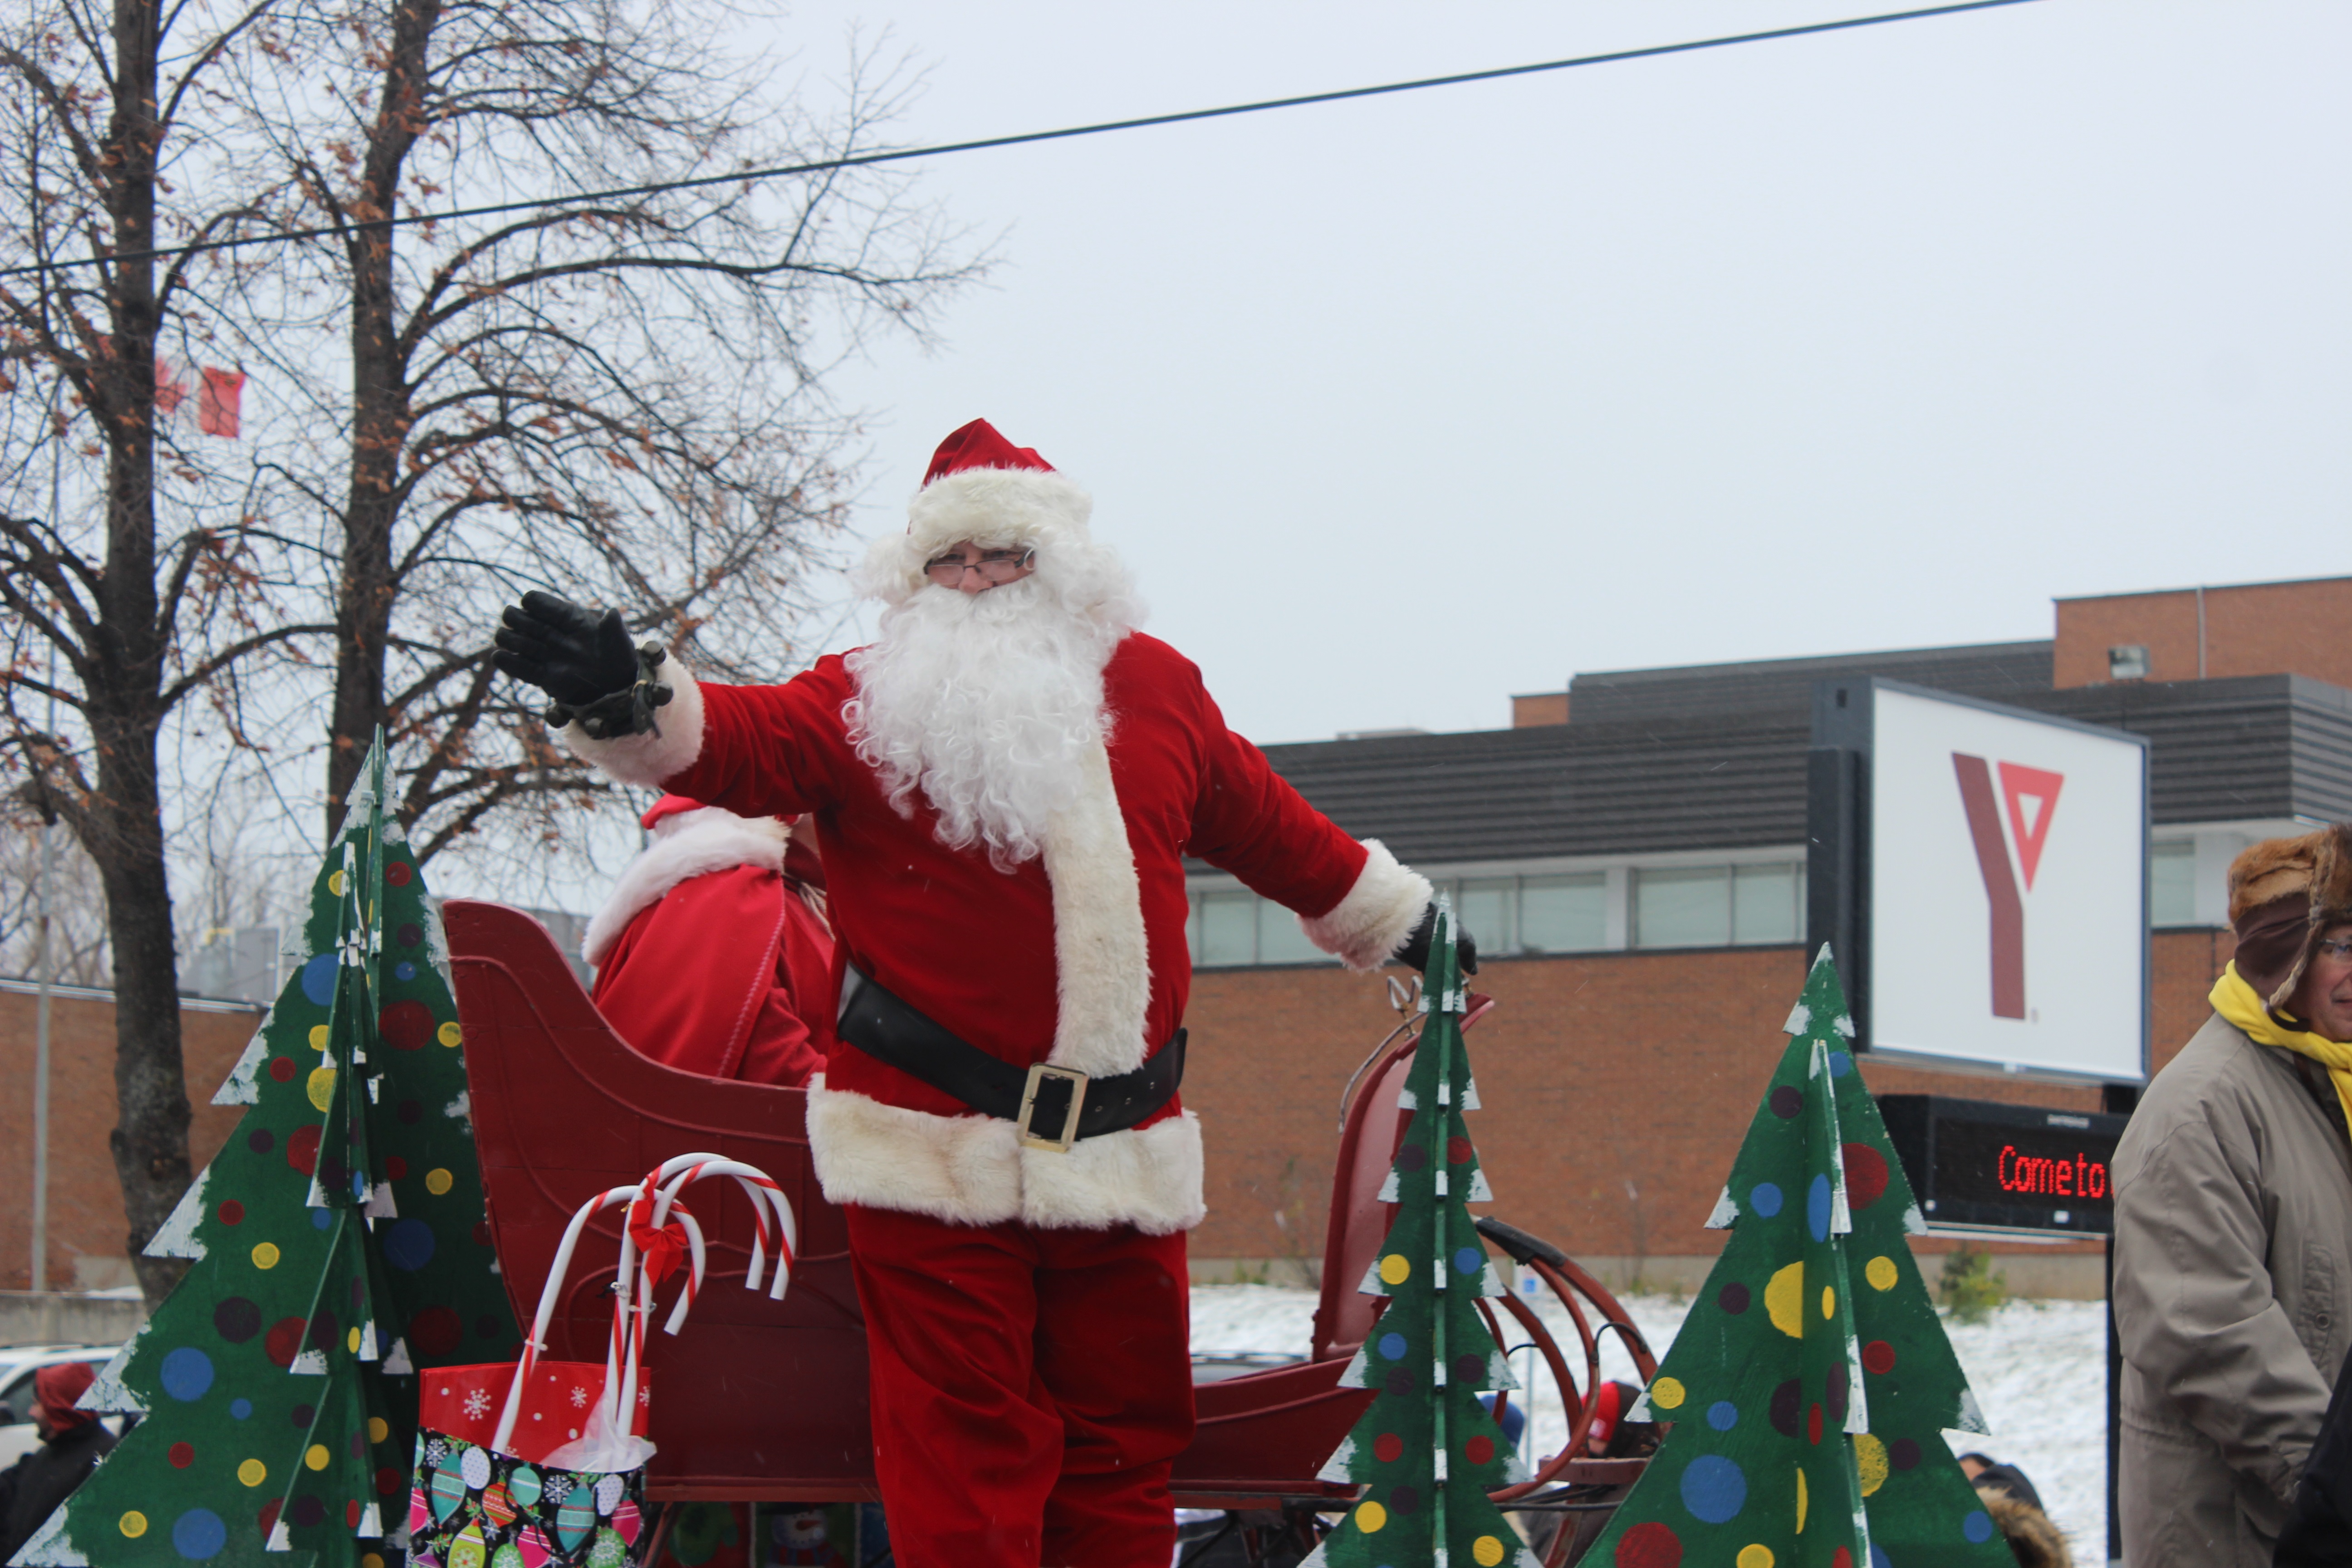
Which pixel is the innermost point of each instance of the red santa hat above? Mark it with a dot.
(981, 487)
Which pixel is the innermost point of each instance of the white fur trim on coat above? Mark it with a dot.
(1367, 927)
(687, 845)
(647, 760)
(1102, 965)
(971, 1170)
(996, 509)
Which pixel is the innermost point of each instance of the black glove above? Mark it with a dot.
(1414, 953)
(567, 650)
(584, 662)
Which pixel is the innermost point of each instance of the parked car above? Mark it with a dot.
(19, 1436)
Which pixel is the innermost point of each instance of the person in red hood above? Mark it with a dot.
(1006, 783)
(713, 955)
(73, 1441)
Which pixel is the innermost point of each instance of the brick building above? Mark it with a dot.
(1630, 857)
(85, 1243)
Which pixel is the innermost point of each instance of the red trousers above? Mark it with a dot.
(1031, 1389)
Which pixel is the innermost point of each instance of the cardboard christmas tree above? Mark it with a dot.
(1426, 1449)
(336, 1243)
(1810, 1387)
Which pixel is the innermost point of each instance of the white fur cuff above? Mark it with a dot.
(1367, 927)
(971, 1170)
(647, 760)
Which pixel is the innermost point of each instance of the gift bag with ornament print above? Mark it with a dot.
(536, 1462)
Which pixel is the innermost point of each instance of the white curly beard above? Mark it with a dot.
(987, 702)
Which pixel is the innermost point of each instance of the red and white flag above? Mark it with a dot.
(217, 400)
(171, 385)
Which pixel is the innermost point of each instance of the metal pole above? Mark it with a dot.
(43, 962)
(44, 968)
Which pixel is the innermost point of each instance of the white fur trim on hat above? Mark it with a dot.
(686, 844)
(1367, 927)
(971, 1170)
(996, 509)
(667, 750)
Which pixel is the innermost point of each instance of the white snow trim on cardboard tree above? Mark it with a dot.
(1102, 965)
(1365, 928)
(243, 1084)
(108, 1395)
(700, 842)
(51, 1547)
(971, 1170)
(647, 760)
(176, 1236)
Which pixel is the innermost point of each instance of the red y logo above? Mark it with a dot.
(2033, 799)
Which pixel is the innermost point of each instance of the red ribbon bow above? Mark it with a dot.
(661, 1246)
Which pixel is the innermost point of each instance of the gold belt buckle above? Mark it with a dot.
(1038, 1074)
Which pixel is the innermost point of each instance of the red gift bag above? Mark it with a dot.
(550, 1454)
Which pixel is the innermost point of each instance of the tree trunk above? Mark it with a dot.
(366, 591)
(123, 825)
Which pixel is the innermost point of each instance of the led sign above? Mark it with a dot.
(1980, 1166)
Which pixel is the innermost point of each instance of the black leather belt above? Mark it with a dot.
(892, 1032)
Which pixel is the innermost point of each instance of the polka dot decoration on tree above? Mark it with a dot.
(406, 1025)
(1650, 1544)
(1866, 1174)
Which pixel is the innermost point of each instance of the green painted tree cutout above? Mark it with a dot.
(1811, 1386)
(337, 1242)
(1426, 1449)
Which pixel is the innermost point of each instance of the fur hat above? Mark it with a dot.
(2284, 895)
(982, 488)
(2035, 1542)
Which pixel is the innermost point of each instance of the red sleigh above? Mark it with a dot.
(766, 1400)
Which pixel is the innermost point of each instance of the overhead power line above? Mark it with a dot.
(906, 154)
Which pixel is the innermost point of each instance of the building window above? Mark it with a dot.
(1717, 906)
(1564, 914)
(1228, 929)
(1683, 906)
(1767, 903)
(2172, 883)
(1487, 908)
(1696, 906)
(1281, 940)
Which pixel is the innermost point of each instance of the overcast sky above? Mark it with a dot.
(1876, 339)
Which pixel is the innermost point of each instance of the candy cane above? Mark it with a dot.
(537, 1340)
(765, 1194)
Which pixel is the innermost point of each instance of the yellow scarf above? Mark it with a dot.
(2238, 1005)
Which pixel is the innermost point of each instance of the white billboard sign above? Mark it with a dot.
(2008, 897)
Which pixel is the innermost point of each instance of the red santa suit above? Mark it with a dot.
(707, 958)
(1030, 1352)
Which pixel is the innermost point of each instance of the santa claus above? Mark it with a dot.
(1004, 785)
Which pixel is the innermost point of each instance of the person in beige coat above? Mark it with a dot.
(2233, 1226)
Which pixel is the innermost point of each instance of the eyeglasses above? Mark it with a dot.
(2337, 948)
(995, 566)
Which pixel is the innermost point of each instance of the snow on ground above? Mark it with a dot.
(2038, 1370)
